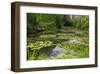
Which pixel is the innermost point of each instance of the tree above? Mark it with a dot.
(67, 20)
(58, 21)
(31, 22)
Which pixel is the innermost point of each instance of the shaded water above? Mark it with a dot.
(56, 51)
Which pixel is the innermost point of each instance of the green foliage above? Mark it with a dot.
(81, 22)
(74, 50)
(59, 21)
(31, 22)
(52, 22)
(35, 47)
(38, 45)
(71, 50)
(85, 22)
(51, 29)
(45, 21)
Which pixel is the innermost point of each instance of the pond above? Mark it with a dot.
(60, 45)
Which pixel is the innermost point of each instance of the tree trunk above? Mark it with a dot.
(67, 20)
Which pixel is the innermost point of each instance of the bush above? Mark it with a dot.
(81, 22)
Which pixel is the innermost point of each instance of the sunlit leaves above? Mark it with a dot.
(39, 44)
